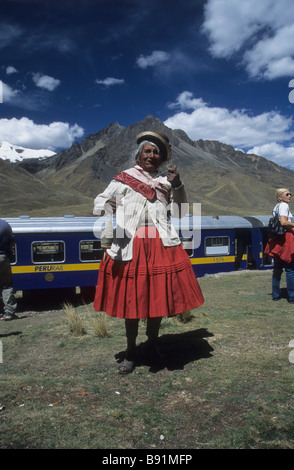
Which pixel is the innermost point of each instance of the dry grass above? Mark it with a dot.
(226, 383)
(185, 317)
(79, 324)
(100, 325)
(73, 320)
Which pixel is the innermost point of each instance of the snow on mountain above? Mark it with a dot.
(15, 153)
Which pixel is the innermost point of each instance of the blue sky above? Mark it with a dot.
(217, 69)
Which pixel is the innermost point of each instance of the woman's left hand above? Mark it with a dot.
(173, 177)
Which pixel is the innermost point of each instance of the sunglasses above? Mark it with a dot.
(288, 194)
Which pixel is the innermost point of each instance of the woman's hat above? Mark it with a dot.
(158, 138)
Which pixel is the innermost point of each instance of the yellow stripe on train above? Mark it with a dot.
(54, 268)
(214, 259)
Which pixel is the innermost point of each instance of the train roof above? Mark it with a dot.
(221, 222)
(26, 224)
(259, 220)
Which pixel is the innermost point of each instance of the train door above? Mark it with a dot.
(243, 249)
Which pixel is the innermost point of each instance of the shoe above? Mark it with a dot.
(126, 367)
(291, 301)
(9, 317)
(276, 298)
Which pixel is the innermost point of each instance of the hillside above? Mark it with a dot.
(24, 194)
(224, 180)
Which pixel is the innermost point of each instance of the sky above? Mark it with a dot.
(217, 69)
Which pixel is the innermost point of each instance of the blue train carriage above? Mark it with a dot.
(56, 253)
(65, 252)
(224, 243)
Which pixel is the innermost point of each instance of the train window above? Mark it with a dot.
(48, 252)
(188, 245)
(90, 250)
(217, 246)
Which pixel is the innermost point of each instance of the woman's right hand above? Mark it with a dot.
(111, 204)
(173, 177)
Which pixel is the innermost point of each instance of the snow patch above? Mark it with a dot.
(15, 153)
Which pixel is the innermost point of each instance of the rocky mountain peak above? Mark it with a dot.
(221, 178)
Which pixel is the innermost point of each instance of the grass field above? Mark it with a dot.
(227, 383)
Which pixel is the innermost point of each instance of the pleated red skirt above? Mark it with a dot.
(159, 281)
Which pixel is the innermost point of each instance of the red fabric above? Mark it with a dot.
(159, 281)
(281, 247)
(137, 185)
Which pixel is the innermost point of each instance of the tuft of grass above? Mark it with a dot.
(185, 317)
(73, 320)
(98, 322)
(100, 325)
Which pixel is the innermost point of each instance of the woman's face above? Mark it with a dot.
(285, 197)
(150, 158)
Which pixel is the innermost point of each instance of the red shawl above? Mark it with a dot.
(281, 247)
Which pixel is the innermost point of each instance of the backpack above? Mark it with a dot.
(274, 226)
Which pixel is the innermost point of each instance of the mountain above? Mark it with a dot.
(24, 194)
(222, 179)
(14, 153)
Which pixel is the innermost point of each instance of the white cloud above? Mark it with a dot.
(110, 81)
(10, 69)
(262, 31)
(24, 99)
(283, 156)
(9, 94)
(237, 127)
(264, 134)
(28, 134)
(46, 82)
(271, 57)
(157, 57)
(186, 101)
(28, 99)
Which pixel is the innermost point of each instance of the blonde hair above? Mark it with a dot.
(280, 191)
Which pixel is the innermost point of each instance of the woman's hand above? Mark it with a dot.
(173, 177)
(111, 204)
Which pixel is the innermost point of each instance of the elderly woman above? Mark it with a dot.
(146, 273)
(281, 247)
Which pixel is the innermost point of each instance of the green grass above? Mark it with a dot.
(227, 382)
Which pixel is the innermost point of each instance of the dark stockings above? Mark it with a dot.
(152, 330)
(131, 333)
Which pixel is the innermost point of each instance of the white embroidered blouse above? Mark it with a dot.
(132, 208)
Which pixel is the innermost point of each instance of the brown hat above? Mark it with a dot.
(158, 138)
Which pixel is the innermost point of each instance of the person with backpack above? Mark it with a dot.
(281, 247)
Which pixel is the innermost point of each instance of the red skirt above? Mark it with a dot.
(281, 247)
(159, 281)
